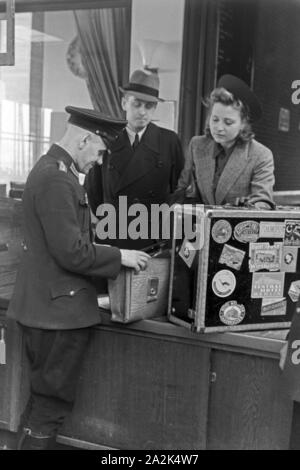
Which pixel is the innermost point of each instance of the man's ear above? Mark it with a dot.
(123, 103)
(83, 141)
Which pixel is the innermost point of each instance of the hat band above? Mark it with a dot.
(147, 90)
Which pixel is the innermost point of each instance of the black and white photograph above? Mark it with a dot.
(149, 228)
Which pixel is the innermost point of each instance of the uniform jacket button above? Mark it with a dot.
(136, 200)
(72, 292)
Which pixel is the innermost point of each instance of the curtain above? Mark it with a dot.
(198, 65)
(105, 48)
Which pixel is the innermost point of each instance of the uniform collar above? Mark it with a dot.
(64, 158)
(59, 153)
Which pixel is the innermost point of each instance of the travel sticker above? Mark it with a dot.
(232, 257)
(289, 259)
(221, 231)
(247, 231)
(292, 233)
(267, 285)
(273, 307)
(294, 291)
(223, 283)
(271, 229)
(265, 256)
(232, 313)
(187, 252)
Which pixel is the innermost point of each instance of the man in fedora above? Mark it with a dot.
(54, 300)
(145, 161)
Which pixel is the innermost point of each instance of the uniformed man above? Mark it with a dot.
(145, 161)
(54, 300)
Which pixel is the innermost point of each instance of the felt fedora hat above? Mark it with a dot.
(144, 85)
(241, 91)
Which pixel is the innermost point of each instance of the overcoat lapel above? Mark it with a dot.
(142, 160)
(234, 167)
(121, 146)
(205, 168)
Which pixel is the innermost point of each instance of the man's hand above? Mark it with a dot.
(137, 260)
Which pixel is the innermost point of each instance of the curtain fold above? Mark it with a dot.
(198, 65)
(105, 49)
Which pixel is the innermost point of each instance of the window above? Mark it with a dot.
(59, 57)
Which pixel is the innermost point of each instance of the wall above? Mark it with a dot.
(61, 87)
(277, 65)
(161, 23)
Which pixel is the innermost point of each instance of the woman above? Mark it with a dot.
(226, 165)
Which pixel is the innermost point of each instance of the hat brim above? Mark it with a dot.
(142, 96)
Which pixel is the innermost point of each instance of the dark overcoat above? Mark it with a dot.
(146, 176)
(53, 289)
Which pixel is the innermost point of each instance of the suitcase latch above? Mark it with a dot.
(152, 289)
(213, 377)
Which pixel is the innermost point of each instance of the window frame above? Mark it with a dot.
(56, 5)
(7, 14)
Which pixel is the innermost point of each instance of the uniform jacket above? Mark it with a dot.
(53, 289)
(148, 177)
(249, 172)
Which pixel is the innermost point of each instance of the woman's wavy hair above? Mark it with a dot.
(223, 96)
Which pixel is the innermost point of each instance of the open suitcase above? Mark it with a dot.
(237, 269)
(140, 296)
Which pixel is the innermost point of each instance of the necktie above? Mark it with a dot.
(136, 142)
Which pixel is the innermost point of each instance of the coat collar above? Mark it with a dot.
(206, 171)
(64, 160)
(150, 138)
(59, 153)
(234, 167)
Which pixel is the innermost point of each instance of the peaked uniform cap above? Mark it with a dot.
(242, 92)
(144, 85)
(106, 127)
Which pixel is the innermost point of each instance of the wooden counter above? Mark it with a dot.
(155, 385)
(152, 384)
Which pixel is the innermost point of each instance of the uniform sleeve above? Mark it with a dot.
(94, 187)
(57, 208)
(263, 181)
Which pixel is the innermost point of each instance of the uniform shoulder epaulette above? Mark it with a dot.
(62, 166)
